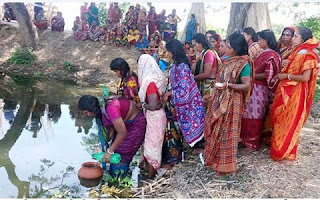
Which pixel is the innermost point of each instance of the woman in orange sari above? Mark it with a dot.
(226, 103)
(293, 97)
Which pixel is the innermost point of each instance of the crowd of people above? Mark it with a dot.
(239, 92)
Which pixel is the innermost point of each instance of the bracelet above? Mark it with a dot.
(109, 152)
(289, 77)
(143, 104)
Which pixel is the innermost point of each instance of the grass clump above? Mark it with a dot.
(22, 56)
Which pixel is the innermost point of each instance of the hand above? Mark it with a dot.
(106, 157)
(222, 87)
(285, 63)
(282, 76)
(165, 98)
(139, 105)
(206, 97)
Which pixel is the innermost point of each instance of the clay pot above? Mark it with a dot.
(90, 174)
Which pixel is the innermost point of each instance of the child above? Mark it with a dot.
(143, 42)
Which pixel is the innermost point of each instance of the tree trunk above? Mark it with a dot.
(197, 8)
(49, 12)
(255, 15)
(27, 30)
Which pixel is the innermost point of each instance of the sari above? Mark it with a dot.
(82, 34)
(57, 24)
(252, 124)
(205, 85)
(149, 72)
(285, 50)
(129, 19)
(128, 87)
(254, 50)
(191, 29)
(94, 33)
(172, 145)
(152, 19)
(223, 117)
(188, 104)
(93, 10)
(41, 22)
(293, 101)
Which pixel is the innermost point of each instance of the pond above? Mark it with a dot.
(44, 139)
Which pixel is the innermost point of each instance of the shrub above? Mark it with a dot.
(313, 23)
(22, 56)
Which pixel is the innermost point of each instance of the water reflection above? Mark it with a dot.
(44, 140)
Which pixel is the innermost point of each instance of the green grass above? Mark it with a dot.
(23, 56)
(317, 93)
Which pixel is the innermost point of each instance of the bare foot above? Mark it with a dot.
(219, 175)
(286, 162)
(197, 151)
(248, 150)
(167, 166)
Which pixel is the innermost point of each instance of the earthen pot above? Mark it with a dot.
(90, 174)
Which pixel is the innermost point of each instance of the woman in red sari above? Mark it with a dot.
(267, 66)
(294, 94)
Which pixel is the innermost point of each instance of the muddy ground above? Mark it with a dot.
(258, 176)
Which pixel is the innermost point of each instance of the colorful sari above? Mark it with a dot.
(152, 18)
(292, 101)
(252, 124)
(191, 29)
(188, 103)
(93, 10)
(149, 72)
(205, 85)
(285, 50)
(41, 22)
(172, 145)
(254, 50)
(57, 24)
(82, 34)
(94, 33)
(223, 118)
(128, 87)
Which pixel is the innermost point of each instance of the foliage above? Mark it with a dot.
(68, 65)
(116, 187)
(313, 23)
(102, 16)
(22, 55)
(42, 183)
(124, 8)
(37, 73)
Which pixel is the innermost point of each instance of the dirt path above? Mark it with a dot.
(258, 176)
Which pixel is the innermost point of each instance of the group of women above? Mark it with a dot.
(57, 22)
(250, 85)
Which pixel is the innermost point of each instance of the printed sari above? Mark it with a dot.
(254, 50)
(252, 124)
(188, 104)
(57, 24)
(128, 87)
(293, 101)
(223, 117)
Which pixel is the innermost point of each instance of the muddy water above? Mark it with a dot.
(43, 139)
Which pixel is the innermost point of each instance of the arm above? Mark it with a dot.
(260, 76)
(206, 72)
(121, 129)
(166, 96)
(304, 77)
(152, 103)
(243, 86)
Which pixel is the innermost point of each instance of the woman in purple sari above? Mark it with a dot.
(185, 95)
(126, 126)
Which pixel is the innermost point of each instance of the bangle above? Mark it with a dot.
(227, 85)
(288, 76)
(143, 104)
(109, 152)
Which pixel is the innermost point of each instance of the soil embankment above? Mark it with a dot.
(90, 60)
